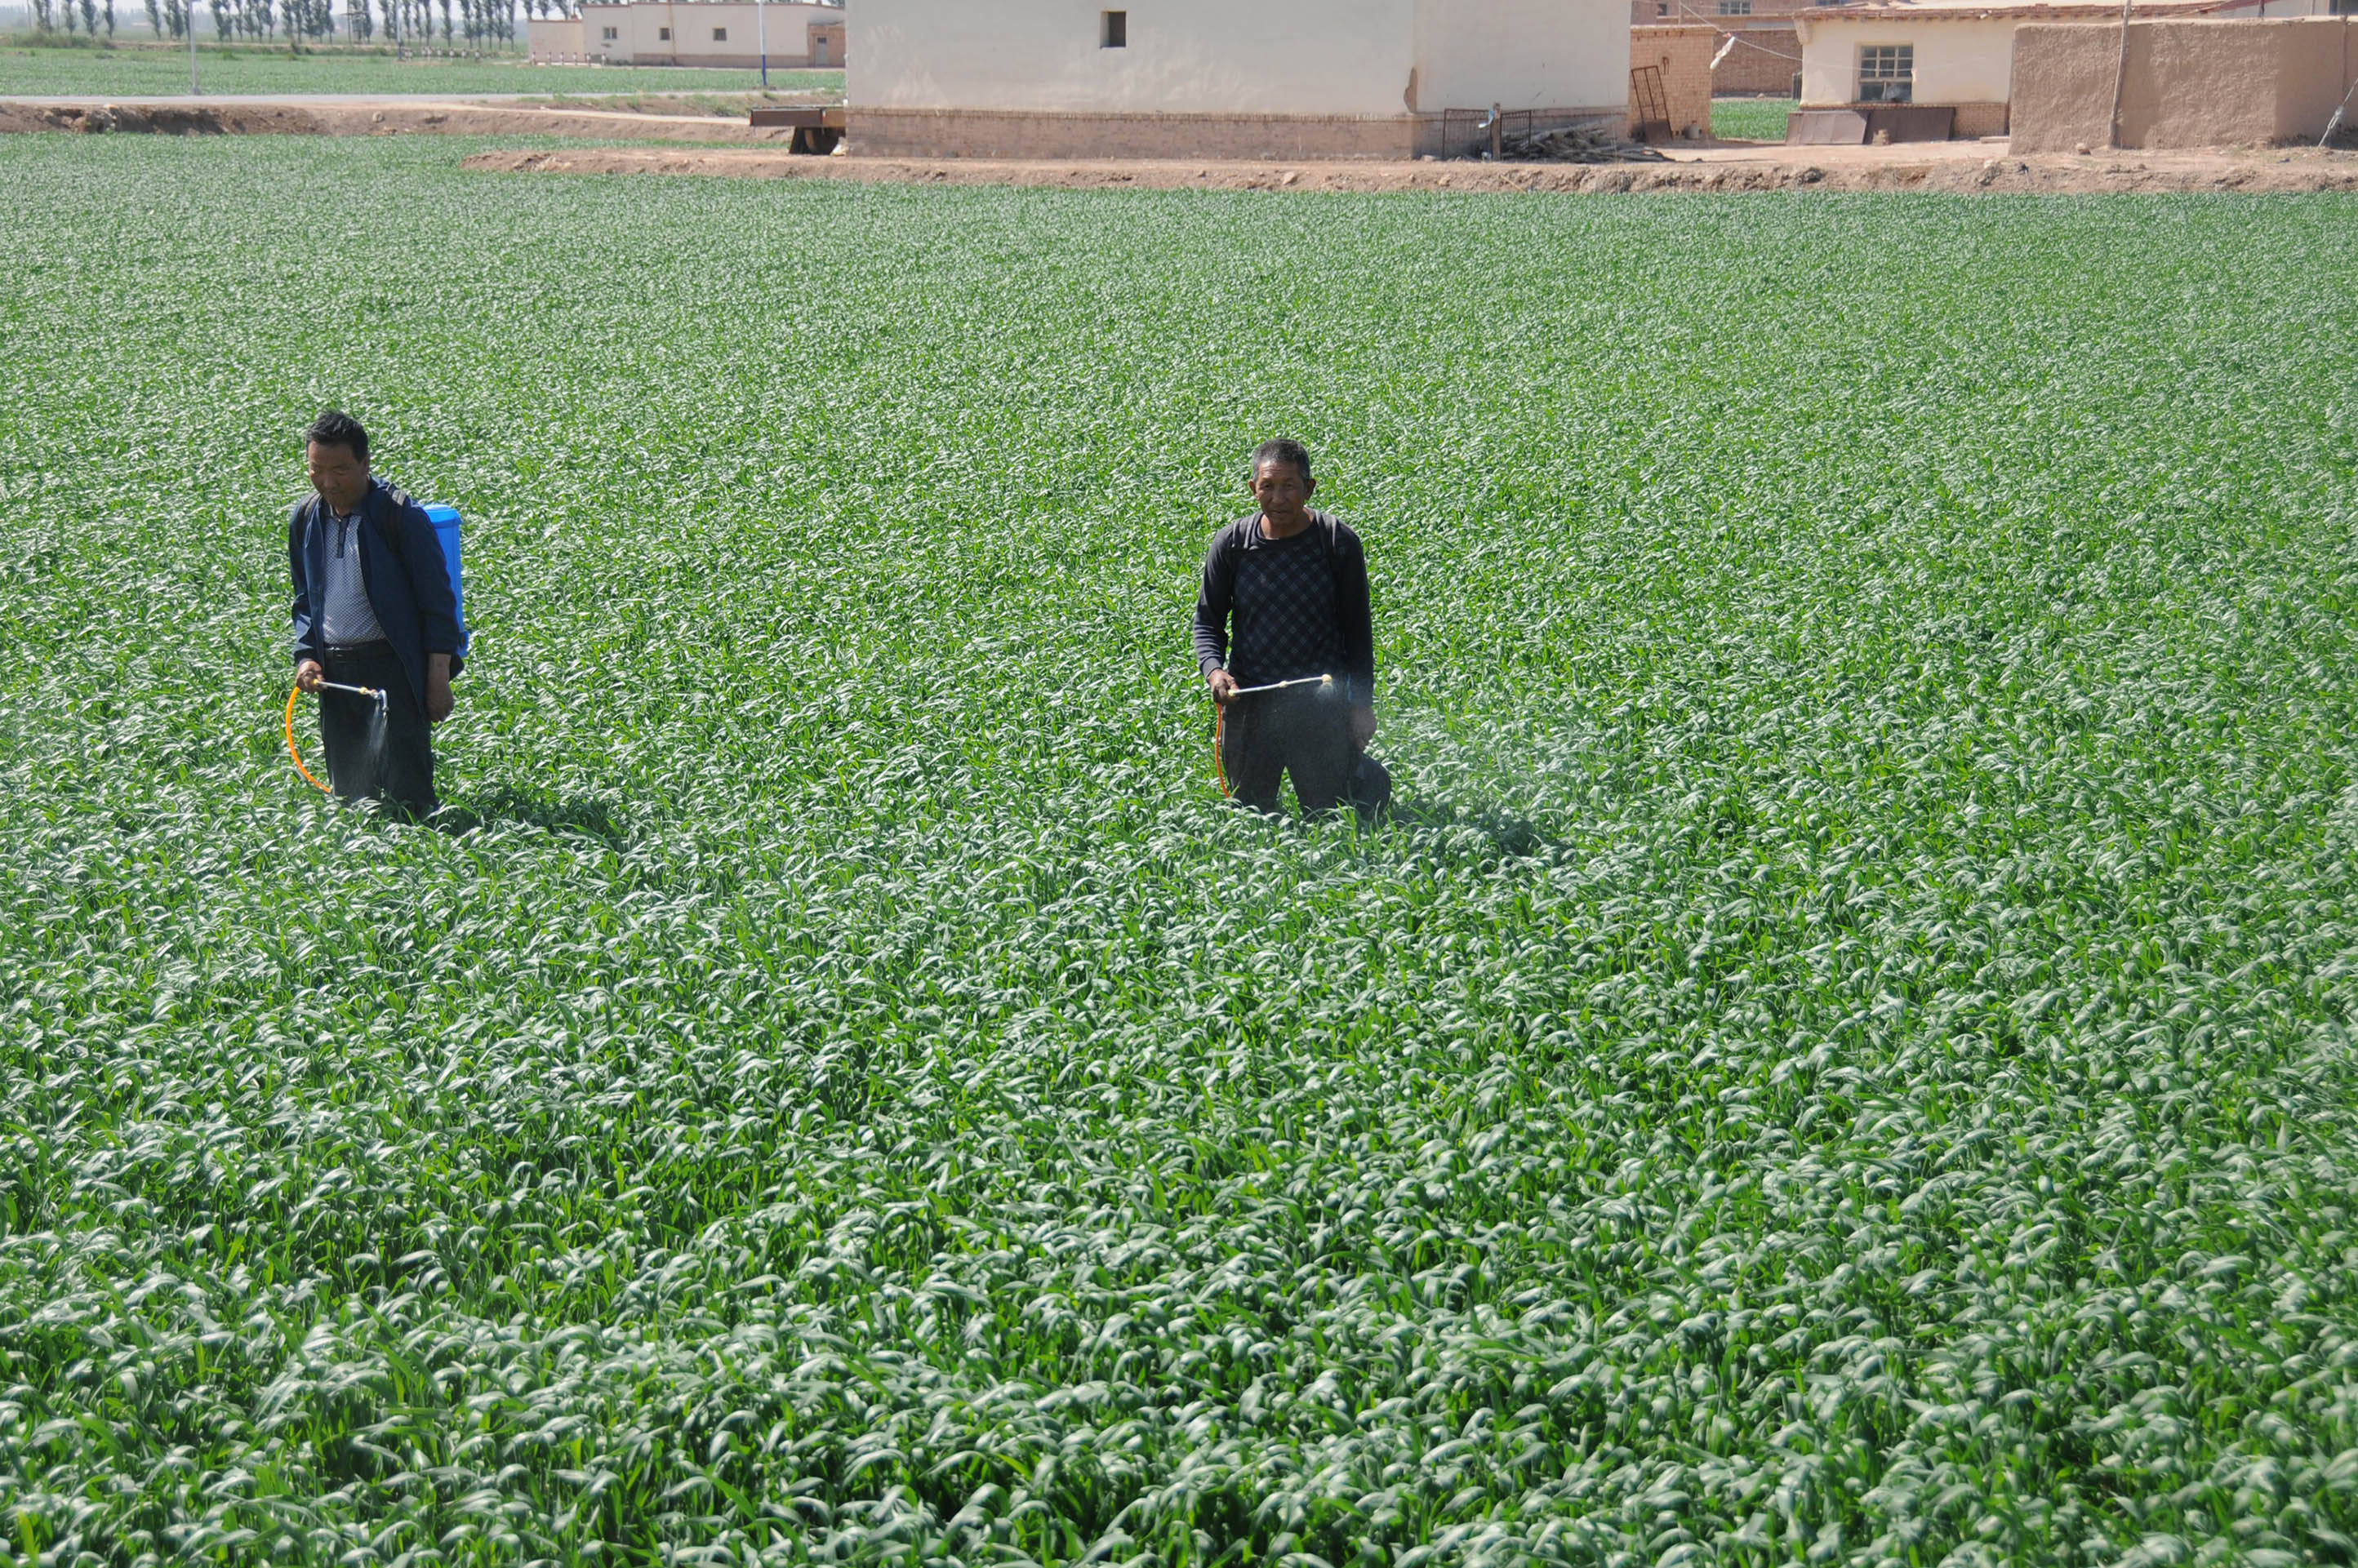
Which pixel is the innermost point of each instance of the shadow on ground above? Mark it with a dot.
(555, 813)
(1455, 825)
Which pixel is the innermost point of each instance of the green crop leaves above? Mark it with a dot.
(1842, 1057)
(137, 69)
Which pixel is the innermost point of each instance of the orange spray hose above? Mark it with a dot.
(291, 751)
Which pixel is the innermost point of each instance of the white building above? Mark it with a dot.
(1223, 78)
(1958, 54)
(694, 32)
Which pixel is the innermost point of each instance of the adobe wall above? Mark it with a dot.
(552, 38)
(1682, 54)
(2189, 83)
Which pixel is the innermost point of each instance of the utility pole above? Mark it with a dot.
(762, 38)
(189, 12)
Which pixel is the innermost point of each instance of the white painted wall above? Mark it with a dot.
(1965, 61)
(1238, 57)
(1524, 54)
(1300, 56)
(638, 30)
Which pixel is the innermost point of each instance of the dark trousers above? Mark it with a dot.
(368, 761)
(1299, 732)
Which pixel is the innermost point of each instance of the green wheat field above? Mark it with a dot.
(1842, 1055)
(160, 69)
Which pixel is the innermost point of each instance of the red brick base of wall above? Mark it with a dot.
(1980, 120)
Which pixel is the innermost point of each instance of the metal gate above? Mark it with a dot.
(1651, 103)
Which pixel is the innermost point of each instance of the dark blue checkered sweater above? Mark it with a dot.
(1272, 610)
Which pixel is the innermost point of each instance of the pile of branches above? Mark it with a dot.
(1576, 144)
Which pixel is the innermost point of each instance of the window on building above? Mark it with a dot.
(1113, 29)
(1887, 73)
(1736, 7)
(611, 34)
(663, 35)
(720, 35)
(1662, 7)
(2342, 8)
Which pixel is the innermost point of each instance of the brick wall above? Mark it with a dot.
(1682, 54)
(1768, 53)
(1979, 120)
(1765, 61)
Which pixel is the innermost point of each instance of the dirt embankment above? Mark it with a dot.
(1968, 168)
(732, 147)
(379, 119)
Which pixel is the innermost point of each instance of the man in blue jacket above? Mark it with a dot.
(372, 607)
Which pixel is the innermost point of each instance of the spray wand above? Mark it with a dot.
(371, 693)
(1325, 684)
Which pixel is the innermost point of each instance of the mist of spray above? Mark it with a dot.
(376, 739)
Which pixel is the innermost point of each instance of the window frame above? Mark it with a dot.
(1896, 84)
(720, 35)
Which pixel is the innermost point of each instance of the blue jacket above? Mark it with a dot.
(401, 567)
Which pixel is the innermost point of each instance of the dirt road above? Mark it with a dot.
(1945, 166)
(373, 117)
(729, 147)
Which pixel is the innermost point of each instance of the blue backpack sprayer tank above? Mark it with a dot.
(444, 519)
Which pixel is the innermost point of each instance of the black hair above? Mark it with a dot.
(337, 428)
(1284, 449)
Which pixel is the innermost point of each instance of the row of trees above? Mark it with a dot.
(410, 21)
(93, 15)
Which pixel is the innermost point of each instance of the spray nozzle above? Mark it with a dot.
(371, 693)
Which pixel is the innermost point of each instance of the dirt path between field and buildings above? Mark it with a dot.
(1951, 166)
(732, 147)
(379, 117)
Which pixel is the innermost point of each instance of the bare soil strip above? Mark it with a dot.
(382, 118)
(1957, 168)
(731, 148)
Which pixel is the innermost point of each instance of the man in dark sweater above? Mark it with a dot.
(372, 607)
(1284, 597)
